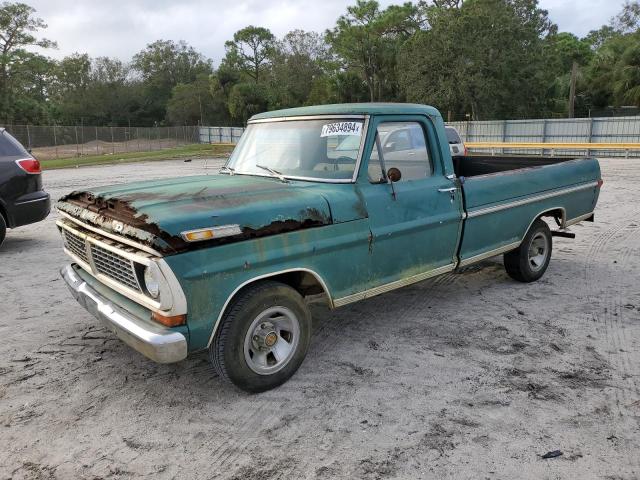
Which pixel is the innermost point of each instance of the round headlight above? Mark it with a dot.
(151, 283)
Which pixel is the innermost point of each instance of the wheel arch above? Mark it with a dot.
(305, 281)
(558, 213)
(4, 213)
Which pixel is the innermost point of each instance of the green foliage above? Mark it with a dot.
(367, 39)
(196, 103)
(247, 99)
(250, 52)
(484, 59)
(163, 65)
(22, 73)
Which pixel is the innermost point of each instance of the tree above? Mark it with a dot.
(485, 58)
(626, 86)
(162, 65)
(196, 103)
(628, 20)
(367, 38)
(250, 51)
(613, 75)
(18, 27)
(247, 99)
(299, 59)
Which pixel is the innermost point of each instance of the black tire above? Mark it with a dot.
(3, 229)
(521, 264)
(228, 350)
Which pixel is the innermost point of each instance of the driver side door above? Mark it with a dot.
(415, 222)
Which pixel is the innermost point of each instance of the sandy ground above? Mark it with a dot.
(468, 375)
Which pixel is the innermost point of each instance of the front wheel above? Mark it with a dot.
(530, 260)
(263, 338)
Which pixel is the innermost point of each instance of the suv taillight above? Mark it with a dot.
(29, 165)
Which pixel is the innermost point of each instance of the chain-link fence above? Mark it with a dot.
(57, 141)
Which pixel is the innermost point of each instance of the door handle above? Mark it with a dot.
(451, 191)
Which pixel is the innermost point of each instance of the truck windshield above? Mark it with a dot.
(324, 150)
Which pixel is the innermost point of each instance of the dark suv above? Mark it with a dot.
(22, 200)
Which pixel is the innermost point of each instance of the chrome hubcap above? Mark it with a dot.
(271, 340)
(538, 251)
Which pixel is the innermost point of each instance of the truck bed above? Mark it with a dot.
(472, 166)
(502, 194)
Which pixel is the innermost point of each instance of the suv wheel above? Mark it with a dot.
(3, 229)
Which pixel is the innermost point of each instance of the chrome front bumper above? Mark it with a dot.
(155, 342)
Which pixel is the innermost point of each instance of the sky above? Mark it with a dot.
(120, 28)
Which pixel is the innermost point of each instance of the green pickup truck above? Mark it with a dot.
(336, 203)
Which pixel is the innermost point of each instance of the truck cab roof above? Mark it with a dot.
(379, 108)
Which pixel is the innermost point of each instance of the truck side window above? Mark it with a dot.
(403, 147)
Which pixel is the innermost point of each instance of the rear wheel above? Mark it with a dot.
(3, 229)
(530, 260)
(263, 338)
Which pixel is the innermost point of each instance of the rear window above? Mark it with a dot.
(452, 135)
(10, 147)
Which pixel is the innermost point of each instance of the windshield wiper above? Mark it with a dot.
(273, 173)
(231, 171)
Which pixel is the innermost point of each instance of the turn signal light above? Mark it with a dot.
(198, 236)
(29, 165)
(173, 321)
(600, 182)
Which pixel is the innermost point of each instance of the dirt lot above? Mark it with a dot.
(468, 375)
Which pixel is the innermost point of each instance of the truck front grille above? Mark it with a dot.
(76, 245)
(114, 266)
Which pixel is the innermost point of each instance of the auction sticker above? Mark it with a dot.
(341, 128)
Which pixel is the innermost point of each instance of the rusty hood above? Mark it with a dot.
(155, 213)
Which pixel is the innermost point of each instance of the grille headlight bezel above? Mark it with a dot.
(152, 281)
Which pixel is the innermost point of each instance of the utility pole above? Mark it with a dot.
(572, 89)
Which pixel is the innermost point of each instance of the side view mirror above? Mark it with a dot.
(389, 146)
(394, 174)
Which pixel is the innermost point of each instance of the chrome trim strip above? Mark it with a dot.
(490, 253)
(372, 292)
(306, 117)
(573, 221)
(262, 277)
(42, 199)
(118, 238)
(158, 343)
(517, 203)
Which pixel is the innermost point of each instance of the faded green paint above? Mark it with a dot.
(353, 236)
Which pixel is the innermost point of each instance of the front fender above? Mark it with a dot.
(337, 255)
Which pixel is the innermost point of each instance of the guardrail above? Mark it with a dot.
(574, 148)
